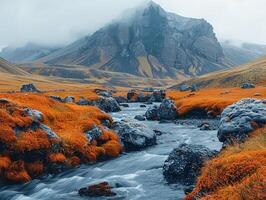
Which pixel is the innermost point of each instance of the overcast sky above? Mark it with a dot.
(57, 22)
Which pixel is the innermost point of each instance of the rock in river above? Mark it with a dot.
(185, 162)
(134, 136)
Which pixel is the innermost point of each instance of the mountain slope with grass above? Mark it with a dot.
(253, 72)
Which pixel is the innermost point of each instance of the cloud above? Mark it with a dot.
(58, 22)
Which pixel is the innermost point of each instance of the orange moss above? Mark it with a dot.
(57, 158)
(4, 162)
(74, 161)
(35, 169)
(17, 172)
(213, 100)
(112, 148)
(32, 140)
(237, 173)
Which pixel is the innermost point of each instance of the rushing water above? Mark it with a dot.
(139, 173)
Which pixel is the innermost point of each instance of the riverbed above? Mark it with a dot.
(138, 175)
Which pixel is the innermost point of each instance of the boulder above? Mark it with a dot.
(133, 135)
(57, 98)
(140, 118)
(143, 97)
(184, 163)
(240, 119)
(98, 190)
(108, 104)
(69, 99)
(120, 99)
(152, 113)
(143, 106)
(93, 134)
(167, 110)
(124, 105)
(248, 86)
(158, 96)
(104, 93)
(85, 102)
(29, 88)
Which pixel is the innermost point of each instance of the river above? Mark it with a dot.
(139, 174)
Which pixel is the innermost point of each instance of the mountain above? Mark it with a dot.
(149, 43)
(253, 72)
(29, 52)
(6, 67)
(243, 53)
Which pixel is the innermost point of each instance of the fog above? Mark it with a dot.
(59, 22)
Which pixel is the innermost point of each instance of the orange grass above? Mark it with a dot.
(68, 121)
(237, 173)
(213, 100)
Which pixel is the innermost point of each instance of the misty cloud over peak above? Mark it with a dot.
(60, 22)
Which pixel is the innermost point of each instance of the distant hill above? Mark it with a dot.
(253, 72)
(243, 53)
(6, 67)
(29, 52)
(150, 42)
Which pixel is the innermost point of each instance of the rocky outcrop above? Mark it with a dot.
(108, 105)
(93, 134)
(248, 86)
(155, 96)
(140, 118)
(29, 88)
(98, 190)
(166, 111)
(185, 162)
(151, 43)
(120, 99)
(134, 136)
(240, 119)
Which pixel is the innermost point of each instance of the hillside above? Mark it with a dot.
(26, 53)
(253, 72)
(243, 53)
(6, 67)
(150, 42)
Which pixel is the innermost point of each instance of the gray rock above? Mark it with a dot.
(57, 98)
(124, 105)
(167, 110)
(69, 99)
(140, 118)
(85, 102)
(50, 133)
(248, 86)
(158, 95)
(184, 163)
(104, 93)
(143, 97)
(134, 136)
(93, 134)
(120, 99)
(152, 113)
(108, 105)
(29, 88)
(238, 119)
(36, 115)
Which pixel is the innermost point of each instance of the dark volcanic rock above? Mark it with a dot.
(168, 43)
(120, 99)
(57, 98)
(167, 110)
(240, 119)
(69, 99)
(248, 86)
(152, 113)
(108, 105)
(93, 134)
(158, 96)
(104, 93)
(98, 190)
(185, 162)
(29, 88)
(134, 136)
(140, 118)
(124, 105)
